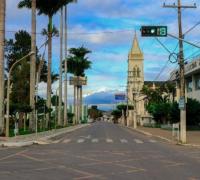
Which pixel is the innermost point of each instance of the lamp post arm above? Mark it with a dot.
(29, 54)
(8, 92)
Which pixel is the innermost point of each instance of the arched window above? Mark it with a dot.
(134, 72)
(138, 72)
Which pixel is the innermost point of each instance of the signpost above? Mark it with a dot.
(181, 103)
(120, 97)
(78, 81)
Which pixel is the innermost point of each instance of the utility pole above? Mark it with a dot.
(65, 83)
(60, 122)
(179, 6)
(32, 123)
(2, 43)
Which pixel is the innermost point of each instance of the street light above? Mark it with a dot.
(8, 91)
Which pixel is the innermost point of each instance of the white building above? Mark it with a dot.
(192, 80)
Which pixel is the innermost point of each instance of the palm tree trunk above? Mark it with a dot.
(81, 102)
(65, 85)
(78, 104)
(75, 114)
(49, 71)
(60, 74)
(33, 67)
(2, 42)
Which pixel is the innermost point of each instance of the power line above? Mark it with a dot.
(84, 33)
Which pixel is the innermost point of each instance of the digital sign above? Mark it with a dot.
(154, 31)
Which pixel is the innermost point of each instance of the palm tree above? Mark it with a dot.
(77, 63)
(60, 74)
(65, 67)
(33, 67)
(48, 8)
(2, 40)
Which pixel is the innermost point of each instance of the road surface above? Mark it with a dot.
(101, 151)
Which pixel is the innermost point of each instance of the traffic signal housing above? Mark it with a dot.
(154, 31)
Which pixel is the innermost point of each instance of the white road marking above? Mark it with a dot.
(95, 140)
(86, 137)
(138, 141)
(80, 140)
(67, 141)
(55, 142)
(123, 141)
(109, 140)
(152, 141)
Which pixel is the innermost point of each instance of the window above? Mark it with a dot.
(138, 72)
(189, 84)
(134, 72)
(197, 82)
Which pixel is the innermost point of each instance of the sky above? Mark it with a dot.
(107, 29)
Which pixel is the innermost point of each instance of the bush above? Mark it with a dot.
(163, 112)
(174, 113)
(193, 112)
(160, 111)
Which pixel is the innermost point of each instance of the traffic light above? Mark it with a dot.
(154, 31)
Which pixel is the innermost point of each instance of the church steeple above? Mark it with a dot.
(135, 68)
(135, 52)
(135, 46)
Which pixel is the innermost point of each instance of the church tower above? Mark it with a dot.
(135, 70)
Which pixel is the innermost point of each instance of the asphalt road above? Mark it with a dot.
(101, 151)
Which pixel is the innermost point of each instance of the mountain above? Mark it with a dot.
(105, 100)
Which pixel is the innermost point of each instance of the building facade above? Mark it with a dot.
(192, 80)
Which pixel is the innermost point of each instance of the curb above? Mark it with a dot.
(189, 145)
(41, 140)
(17, 144)
(163, 138)
(143, 132)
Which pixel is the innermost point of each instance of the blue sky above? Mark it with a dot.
(107, 28)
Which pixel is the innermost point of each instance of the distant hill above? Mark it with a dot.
(105, 100)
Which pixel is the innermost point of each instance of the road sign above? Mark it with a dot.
(78, 81)
(182, 103)
(154, 31)
(120, 97)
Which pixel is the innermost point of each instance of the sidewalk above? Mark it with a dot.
(39, 138)
(193, 137)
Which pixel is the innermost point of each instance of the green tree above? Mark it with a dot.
(48, 8)
(94, 112)
(20, 78)
(117, 113)
(159, 101)
(193, 112)
(160, 111)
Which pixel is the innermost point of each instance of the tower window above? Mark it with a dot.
(134, 72)
(138, 72)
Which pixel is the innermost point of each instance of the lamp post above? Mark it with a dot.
(8, 91)
(57, 108)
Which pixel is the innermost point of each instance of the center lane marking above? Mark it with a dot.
(152, 141)
(109, 140)
(80, 140)
(95, 140)
(138, 141)
(67, 141)
(123, 141)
